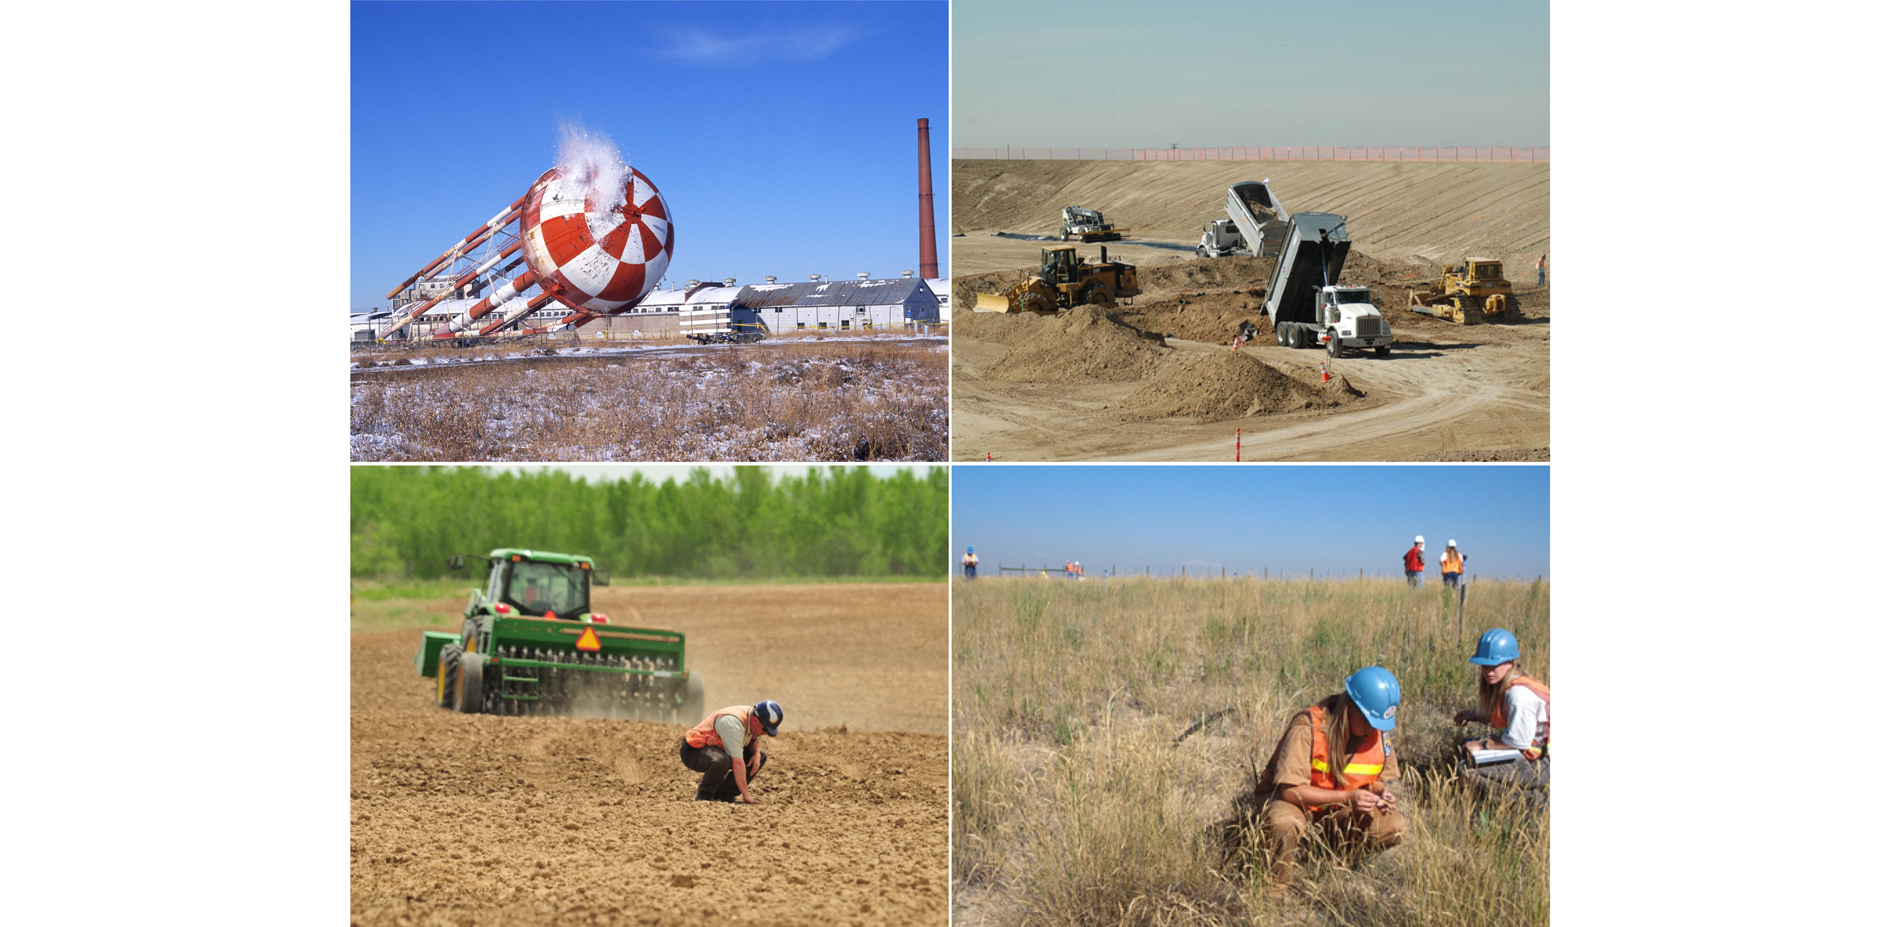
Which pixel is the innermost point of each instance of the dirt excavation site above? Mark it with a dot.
(1157, 378)
(484, 820)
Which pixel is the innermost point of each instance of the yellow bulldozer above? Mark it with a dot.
(1473, 290)
(1064, 282)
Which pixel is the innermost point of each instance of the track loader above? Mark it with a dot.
(1064, 282)
(1089, 225)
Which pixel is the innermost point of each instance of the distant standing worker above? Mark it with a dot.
(724, 750)
(1331, 769)
(1540, 270)
(1451, 565)
(1519, 707)
(1415, 563)
(969, 563)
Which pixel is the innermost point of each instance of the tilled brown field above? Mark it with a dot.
(479, 820)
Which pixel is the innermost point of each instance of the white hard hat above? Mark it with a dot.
(1419, 540)
(1451, 543)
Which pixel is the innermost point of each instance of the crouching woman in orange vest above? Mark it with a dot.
(1331, 769)
(724, 750)
(1519, 707)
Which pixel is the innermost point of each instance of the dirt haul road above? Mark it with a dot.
(473, 819)
(1139, 382)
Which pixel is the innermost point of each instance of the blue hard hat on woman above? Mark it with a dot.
(1495, 646)
(1376, 691)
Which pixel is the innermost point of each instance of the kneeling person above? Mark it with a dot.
(724, 750)
(1331, 769)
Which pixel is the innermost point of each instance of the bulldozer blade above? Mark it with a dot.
(993, 302)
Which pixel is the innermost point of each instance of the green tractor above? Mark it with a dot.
(531, 644)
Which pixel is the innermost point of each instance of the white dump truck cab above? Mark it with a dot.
(1350, 321)
(1220, 238)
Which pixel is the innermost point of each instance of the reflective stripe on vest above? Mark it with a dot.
(1362, 768)
(703, 733)
(1453, 562)
(1498, 720)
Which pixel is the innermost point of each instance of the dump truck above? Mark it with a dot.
(1306, 308)
(1258, 217)
(1088, 225)
(531, 644)
(1220, 238)
(1471, 291)
(1064, 282)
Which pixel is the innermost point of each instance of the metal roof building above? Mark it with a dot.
(838, 305)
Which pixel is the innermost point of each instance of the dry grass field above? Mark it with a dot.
(860, 399)
(1104, 730)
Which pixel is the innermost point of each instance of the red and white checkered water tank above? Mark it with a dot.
(592, 255)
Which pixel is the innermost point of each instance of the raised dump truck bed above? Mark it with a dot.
(1312, 256)
(1258, 215)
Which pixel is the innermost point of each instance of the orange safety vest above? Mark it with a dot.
(1362, 768)
(1453, 563)
(1498, 720)
(704, 734)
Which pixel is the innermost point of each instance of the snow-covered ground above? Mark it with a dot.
(837, 399)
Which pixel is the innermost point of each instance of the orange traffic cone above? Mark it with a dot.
(1324, 374)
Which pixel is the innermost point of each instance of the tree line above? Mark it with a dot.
(831, 522)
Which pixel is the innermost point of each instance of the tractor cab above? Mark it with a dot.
(1059, 264)
(1487, 271)
(536, 585)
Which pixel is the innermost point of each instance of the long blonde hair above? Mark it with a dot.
(1491, 696)
(1338, 734)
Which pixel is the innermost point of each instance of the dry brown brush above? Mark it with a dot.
(805, 401)
(1105, 730)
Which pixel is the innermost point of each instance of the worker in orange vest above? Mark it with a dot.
(1451, 565)
(1415, 562)
(1519, 707)
(724, 750)
(1332, 769)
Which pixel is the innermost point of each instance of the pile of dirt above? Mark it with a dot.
(1219, 385)
(1089, 344)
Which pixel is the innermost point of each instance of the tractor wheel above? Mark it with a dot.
(1201, 252)
(1297, 336)
(1035, 302)
(1279, 334)
(468, 684)
(448, 665)
(1384, 350)
(1333, 346)
(1098, 295)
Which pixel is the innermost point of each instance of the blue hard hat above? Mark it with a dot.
(1376, 691)
(1495, 646)
(969, 550)
(769, 715)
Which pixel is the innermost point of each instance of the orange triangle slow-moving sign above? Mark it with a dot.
(588, 640)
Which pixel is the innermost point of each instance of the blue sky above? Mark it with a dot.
(783, 136)
(1285, 518)
(1126, 74)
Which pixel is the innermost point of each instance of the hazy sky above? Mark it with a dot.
(1285, 518)
(1142, 73)
(783, 136)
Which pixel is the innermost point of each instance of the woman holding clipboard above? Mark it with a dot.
(1515, 760)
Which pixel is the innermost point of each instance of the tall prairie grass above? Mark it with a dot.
(1105, 730)
(805, 401)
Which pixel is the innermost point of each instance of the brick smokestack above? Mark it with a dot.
(926, 210)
